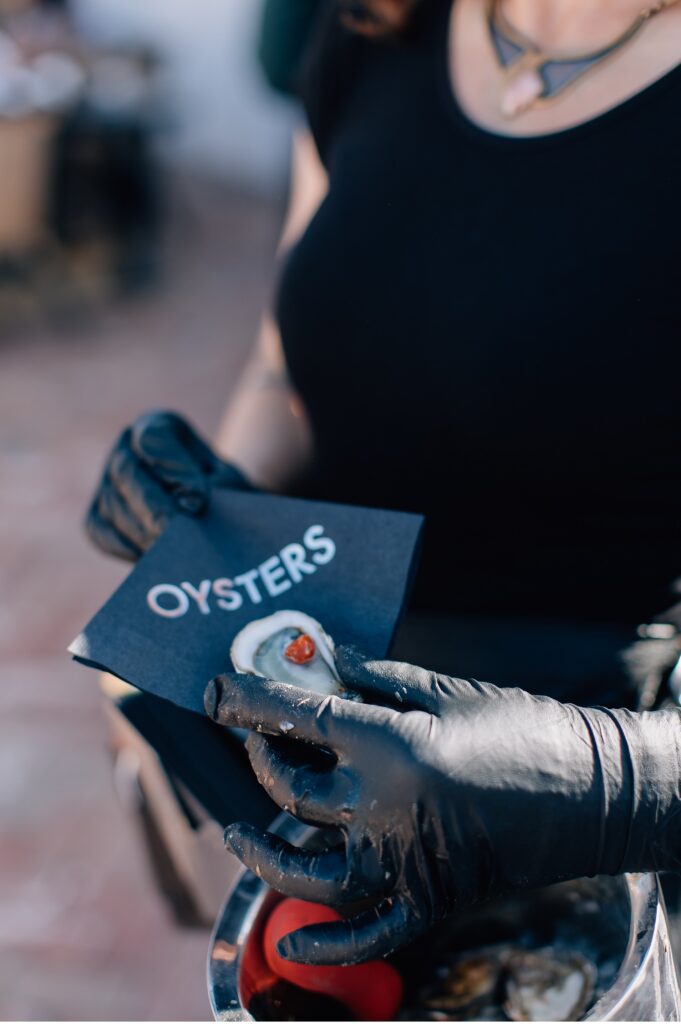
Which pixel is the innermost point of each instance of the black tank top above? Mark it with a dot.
(488, 330)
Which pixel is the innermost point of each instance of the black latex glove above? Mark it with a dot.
(159, 466)
(459, 792)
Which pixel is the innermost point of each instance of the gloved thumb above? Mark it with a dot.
(371, 677)
(396, 683)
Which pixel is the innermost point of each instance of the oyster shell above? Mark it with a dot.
(504, 982)
(548, 984)
(464, 986)
(290, 647)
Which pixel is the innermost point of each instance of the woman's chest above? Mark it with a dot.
(468, 272)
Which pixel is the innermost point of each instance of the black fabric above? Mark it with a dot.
(171, 624)
(284, 31)
(487, 330)
(570, 661)
(203, 757)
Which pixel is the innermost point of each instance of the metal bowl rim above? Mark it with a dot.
(234, 924)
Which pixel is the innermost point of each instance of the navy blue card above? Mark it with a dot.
(169, 627)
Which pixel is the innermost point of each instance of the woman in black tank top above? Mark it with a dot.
(485, 328)
(478, 317)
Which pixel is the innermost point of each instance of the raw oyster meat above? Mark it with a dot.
(290, 647)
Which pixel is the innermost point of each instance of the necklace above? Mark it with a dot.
(532, 75)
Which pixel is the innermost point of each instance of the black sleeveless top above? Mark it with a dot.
(488, 330)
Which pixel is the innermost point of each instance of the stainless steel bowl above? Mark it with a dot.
(622, 918)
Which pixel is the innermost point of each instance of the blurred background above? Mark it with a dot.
(143, 163)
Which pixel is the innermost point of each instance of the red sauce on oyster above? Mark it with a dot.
(301, 650)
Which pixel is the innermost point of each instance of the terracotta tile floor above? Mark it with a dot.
(83, 935)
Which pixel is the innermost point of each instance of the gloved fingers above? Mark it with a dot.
(403, 685)
(221, 473)
(314, 796)
(319, 877)
(113, 509)
(176, 456)
(107, 538)
(146, 499)
(367, 936)
(326, 797)
(374, 861)
(203, 454)
(263, 705)
(229, 477)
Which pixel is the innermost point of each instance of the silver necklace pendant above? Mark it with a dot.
(532, 76)
(523, 86)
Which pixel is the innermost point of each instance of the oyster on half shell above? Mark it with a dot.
(290, 647)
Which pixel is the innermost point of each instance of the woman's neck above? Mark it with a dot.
(571, 24)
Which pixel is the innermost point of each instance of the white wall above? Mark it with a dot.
(226, 120)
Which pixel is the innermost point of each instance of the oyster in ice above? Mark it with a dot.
(548, 984)
(464, 987)
(290, 647)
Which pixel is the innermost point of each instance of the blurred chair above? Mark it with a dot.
(25, 147)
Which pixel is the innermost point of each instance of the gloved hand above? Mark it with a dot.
(159, 466)
(455, 792)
